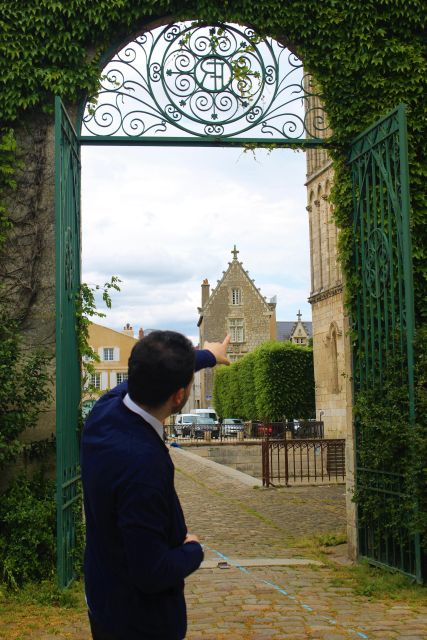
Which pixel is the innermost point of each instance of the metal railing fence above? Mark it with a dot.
(285, 430)
(302, 461)
(253, 430)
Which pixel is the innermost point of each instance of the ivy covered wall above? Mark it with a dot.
(367, 57)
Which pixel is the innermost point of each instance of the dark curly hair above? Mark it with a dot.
(159, 365)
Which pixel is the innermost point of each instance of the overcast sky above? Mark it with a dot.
(163, 219)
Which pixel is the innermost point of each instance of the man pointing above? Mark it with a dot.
(138, 549)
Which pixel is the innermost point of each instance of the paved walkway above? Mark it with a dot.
(257, 594)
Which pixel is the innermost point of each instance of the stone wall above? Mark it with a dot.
(243, 457)
(27, 271)
(331, 343)
(326, 297)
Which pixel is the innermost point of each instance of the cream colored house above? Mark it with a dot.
(113, 348)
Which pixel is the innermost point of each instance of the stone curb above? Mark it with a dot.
(244, 478)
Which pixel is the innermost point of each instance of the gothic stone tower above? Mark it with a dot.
(236, 307)
(326, 297)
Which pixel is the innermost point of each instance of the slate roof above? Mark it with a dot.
(285, 328)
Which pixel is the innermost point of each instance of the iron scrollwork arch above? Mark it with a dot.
(205, 82)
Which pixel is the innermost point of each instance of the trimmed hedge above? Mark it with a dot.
(273, 382)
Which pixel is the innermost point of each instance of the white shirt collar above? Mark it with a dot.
(156, 424)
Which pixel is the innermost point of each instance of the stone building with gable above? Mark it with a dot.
(236, 307)
(299, 331)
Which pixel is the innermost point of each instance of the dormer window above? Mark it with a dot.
(236, 296)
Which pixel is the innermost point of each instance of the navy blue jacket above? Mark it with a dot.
(135, 560)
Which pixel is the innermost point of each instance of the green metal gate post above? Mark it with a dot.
(384, 318)
(67, 234)
(184, 105)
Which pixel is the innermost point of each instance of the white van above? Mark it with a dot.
(207, 413)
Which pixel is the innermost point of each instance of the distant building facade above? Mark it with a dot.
(236, 307)
(299, 331)
(113, 348)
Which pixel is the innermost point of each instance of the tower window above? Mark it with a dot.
(236, 296)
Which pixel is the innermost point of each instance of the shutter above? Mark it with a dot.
(113, 379)
(116, 354)
(104, 380)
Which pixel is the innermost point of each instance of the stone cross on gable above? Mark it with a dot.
(299, 314)
(235, 252)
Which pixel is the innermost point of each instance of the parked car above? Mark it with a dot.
(192, 424)
(262, 429)
(207, 413)
(232, 426)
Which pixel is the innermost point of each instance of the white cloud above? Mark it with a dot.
(164, 219)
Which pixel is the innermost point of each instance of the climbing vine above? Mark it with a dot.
(366, 56)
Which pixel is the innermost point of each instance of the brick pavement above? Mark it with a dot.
(263, 602)
(286, 603)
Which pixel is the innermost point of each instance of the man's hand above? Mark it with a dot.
(219, 350)
(191, 538)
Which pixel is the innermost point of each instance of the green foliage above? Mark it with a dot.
(366, 56)
(7, 182)
(86, 309)
(226, 392)
(387, 441)
(274, 381)
(27, 531)
(24, 389)
(247, 387)
(47, 594)
(284, 381)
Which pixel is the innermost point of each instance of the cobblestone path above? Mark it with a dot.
(252, 601)
(277, 602)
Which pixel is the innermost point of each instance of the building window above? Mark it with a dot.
(236, 296)
(108, 353)
(236, 329)
(121, 377)
(95, 380)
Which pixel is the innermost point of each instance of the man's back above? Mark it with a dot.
(135, 559)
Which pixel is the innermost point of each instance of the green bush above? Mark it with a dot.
(226, 392)
(247, 387)
(220, 376)
(28, 531)
(274, 381)
(24, 389)
(284, 381)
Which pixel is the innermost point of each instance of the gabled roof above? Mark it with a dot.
(286, 328)
(269, 306)
(107, 330)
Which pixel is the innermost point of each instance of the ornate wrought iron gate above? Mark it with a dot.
(384, 321)
(184, 85)
(67, 221)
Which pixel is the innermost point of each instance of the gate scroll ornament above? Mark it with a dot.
(206, 82)
(377, 261)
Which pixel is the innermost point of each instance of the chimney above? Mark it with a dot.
(205, 291)
(140, 333)
(128, 330)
